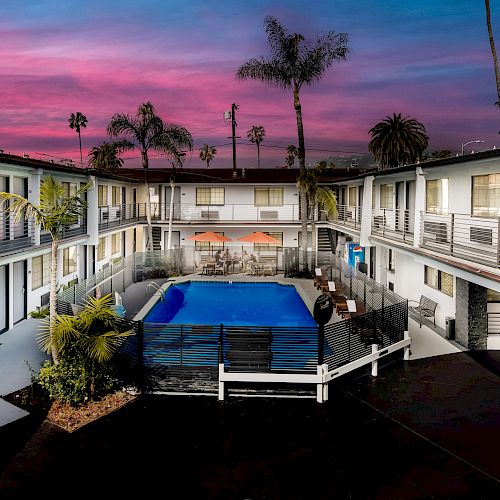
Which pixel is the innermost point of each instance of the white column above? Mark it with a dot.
(10, 288)
(406, 351)
(92, 213)
(374, 363)
(320, 395)
(366, 212)
(419, 205)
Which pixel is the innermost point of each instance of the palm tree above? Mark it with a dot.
(493, 50)
(177, 159)
(207, 153)
(293, 63)
(398, 140)
(292, 153)
(77, 121)
(147, 131)
(315, 195)
(256, 135)
(104, 158)
(54, 213)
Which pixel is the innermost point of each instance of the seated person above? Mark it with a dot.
(218, 256)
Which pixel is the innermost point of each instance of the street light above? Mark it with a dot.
(470, 142)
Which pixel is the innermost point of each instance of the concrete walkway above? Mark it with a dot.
(18, 346)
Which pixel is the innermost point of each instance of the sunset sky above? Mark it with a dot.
(427, 59)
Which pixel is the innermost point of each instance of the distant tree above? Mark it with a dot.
(442, 153)
(293, 63)
(256, 135)
(76, 121)
(147, 131)
(398, 140)
(104, 157)
(292, 153)
(493, 50)
(207, 153)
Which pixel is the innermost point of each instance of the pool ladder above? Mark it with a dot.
(157, 288)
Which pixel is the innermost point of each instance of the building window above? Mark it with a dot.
(210, 196)
(116, 195)
(387, 196)
(353, 196)
(268, 197)
(102, 196)
(267, 246)
(373, 196)
(205, 245)
(486, 195)
(40, 271)
(439, 280)
(116, 240)
(69, 260)
(101, 249)
(70, 189)
(436, 196)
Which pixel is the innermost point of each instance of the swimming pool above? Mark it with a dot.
(239, 304)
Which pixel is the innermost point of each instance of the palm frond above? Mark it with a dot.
(64, 333)
(268, 71)
(123, 124)
(102, 347)
(327, 199)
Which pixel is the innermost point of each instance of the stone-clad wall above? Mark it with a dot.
(471, 320)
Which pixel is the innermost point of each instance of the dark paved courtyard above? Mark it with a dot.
(425, 429)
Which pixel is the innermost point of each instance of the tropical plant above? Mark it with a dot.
(316, 195)
(292, 152)
(256, 135)
(493, 49)
(104, 158)
(398, 140)
(54, 213)
(177, 159)
(147, 131)
(39, 313)
(207, 153)
(87, 344)
(441, 153)
(77, 121)
(293, 63)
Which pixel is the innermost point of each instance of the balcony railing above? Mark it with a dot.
(226, 213)
(67, 232)
(347, 216)
(14, 236)
(465, 236)
(121, 215)
(393, 224)
(493, 323)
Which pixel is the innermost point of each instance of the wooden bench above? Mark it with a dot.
(425, 308)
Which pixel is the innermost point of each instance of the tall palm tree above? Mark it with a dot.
(207, 153)
(147, 131)
(177, 159)
(104, 157)
(398, 140)
(293, 63)
(315, 195)
(77, 121)
(493, 50)
(256, 135)
(54, 213)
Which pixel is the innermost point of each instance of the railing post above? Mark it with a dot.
(406, 350)
(140, 356)
(220, 350)
(321, 344)
(182, 341)
(498, 246)
(452, 230)
(383, 223)
(374, 362)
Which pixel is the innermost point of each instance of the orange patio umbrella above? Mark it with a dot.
(209, 237)
(260, 237)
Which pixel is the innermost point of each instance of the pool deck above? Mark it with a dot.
(19, 344)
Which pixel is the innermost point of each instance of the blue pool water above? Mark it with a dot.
(251, 304)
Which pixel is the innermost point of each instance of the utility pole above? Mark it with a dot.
(234, 108)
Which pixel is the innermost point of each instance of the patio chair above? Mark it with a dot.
(321, 278)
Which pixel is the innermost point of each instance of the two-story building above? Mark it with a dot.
(432, 229)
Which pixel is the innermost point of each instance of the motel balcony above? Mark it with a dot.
(15, 237)
(465, 236)
(113, 216)
(187, 212)
(347, 216)
(393, 224)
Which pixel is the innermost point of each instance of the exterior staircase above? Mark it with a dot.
(325, 240)
(156, 238)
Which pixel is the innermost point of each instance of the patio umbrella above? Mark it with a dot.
(210, 237)
(260, 237)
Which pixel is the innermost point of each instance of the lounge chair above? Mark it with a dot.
(321, 278)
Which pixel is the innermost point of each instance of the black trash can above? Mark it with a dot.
(450, 328)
